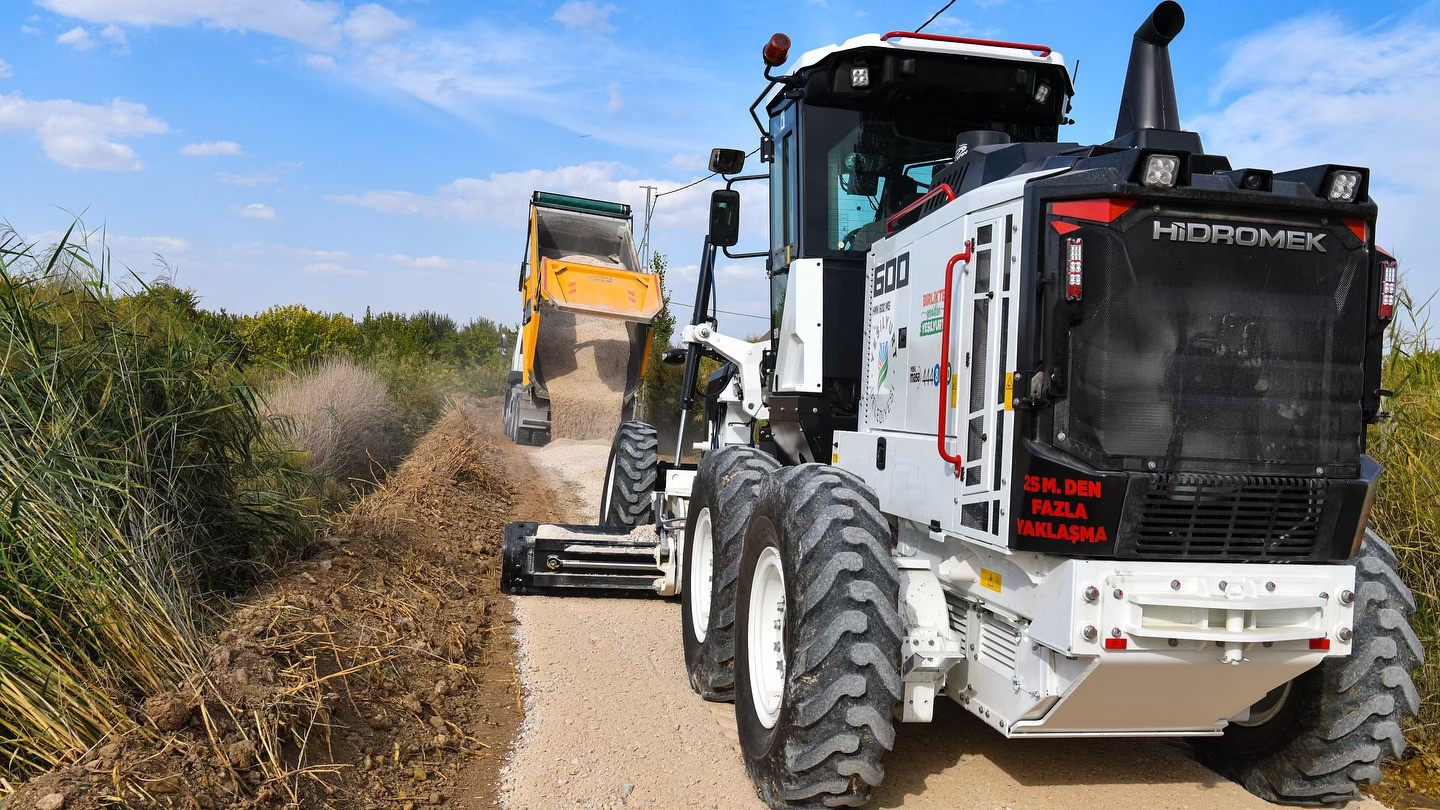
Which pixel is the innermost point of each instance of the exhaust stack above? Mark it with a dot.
(1149, 98)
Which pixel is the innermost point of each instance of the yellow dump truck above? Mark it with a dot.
(585, 331)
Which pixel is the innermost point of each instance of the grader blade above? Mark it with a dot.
(568, 560)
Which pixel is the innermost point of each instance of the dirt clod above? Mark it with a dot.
(167, 712)
(52, 801)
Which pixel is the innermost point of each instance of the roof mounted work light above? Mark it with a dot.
(1161, 171)
(1342, 185)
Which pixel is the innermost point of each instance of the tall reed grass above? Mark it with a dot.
(136, 479)
(1407, 508)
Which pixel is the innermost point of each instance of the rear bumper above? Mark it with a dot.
(1116, 648)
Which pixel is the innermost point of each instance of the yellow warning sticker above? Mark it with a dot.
(954, 389)
(990, 579)
(834, 458)
(1009, 392)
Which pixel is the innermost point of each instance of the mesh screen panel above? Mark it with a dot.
(1217, 355)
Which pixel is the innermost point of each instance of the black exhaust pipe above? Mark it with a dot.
(1149, 98)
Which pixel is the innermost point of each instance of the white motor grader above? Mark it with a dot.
(1070, 435)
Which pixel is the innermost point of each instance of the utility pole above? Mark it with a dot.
(650, 200)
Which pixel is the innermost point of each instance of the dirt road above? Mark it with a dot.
(611, 721)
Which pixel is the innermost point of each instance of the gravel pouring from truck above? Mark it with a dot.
(585, 323)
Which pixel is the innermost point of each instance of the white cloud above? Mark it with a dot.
(268, 176)
(258, 211)
(212, 149)
(321, 61)
(616, 102)
(29, 30)
(1299, 94)
(502, 197)
(312, 22)
(81, 136)
(5, 71)
(586, 16)
(373, 23)
(81, 39)
(332, 269)
(115, 35)
(421, 262)
(78, 38)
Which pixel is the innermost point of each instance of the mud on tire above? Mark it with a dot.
(841, 634)
(1343, 717)
(726, 487)
(630, 476)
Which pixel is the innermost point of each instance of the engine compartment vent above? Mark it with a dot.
(1187, 516)
(999, 646)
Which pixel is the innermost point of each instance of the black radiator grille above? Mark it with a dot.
(1229, 517)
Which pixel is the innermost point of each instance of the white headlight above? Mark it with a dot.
(859, 77)
(1161, 171)
(1343, 186)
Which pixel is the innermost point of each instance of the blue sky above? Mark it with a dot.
(343, 154)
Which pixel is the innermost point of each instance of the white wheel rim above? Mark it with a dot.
(766, 636)
(1267, 708)
(701, 567)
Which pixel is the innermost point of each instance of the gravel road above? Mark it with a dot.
(611, 721)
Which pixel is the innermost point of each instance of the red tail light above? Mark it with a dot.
(1117, 643)
(1319, 643)
(1074, 268)
(1389, 286)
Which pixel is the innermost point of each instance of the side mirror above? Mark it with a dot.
(727, 161)
(724, 217)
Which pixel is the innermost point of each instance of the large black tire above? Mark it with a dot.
(630, 476)
(840, 633)
(1339, 720)
(508, 414)
(724, 494)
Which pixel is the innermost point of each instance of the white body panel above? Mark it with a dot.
(901, 390)
(802, 329)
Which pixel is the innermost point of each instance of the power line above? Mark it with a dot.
(724, 312)
(942, 10)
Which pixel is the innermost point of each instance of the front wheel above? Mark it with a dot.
(626, 497)
(721, 502)
(1317, 739)
(817, 671)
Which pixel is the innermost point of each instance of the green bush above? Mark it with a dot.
(137, 477)
(293, 335)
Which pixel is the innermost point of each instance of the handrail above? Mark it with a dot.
(957, 460)
(1041, 50)
(912, 207)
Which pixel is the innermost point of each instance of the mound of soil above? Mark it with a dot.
(379, 673)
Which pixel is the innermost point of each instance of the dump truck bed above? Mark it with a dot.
(587, 313)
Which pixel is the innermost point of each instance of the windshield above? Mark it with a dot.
(865, 172)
